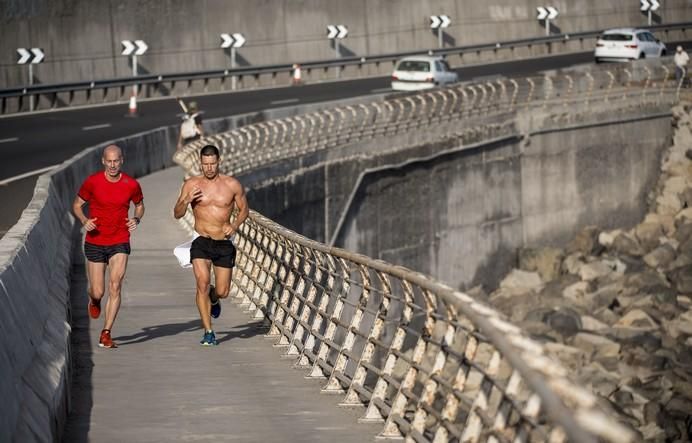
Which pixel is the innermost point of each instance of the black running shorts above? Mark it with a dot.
(103, 254)
(220, 252)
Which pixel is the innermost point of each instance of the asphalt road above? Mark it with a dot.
(35, 141)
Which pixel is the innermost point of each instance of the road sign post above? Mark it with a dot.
(336, 33)
(649, 6)
(232, 41)
(133, 49)
(31, 57)
(547, 13)
(439, 22)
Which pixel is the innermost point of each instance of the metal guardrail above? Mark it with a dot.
(428, 362)
(466, 105)
(155, 82)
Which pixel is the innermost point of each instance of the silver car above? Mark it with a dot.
(627, 44)
(422, 72)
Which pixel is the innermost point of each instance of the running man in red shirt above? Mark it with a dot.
(107, 243)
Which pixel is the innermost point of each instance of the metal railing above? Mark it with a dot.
(51, 96)
(443, 112)
(428, 362)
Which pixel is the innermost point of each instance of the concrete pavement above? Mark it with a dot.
(161, 385)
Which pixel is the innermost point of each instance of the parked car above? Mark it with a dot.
(422, 72)
(627, 44)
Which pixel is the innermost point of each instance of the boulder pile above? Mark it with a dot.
(616, 306)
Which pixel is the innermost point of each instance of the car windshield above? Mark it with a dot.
(617, 37)
(413, 65)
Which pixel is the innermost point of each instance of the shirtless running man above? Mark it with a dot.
(213, 197)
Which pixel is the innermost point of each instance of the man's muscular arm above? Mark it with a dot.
(188, 193)
(243, 210)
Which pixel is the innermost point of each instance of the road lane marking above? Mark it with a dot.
(7, 181)
(91, 128)
(377, 91)
(7, 140)
(283, 102)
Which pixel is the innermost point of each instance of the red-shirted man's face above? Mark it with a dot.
(210, 166)
(112, 160)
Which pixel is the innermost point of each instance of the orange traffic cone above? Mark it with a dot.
(132, 110)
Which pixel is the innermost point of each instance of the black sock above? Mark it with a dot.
(213, 296)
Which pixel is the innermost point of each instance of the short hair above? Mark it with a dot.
(209, 150)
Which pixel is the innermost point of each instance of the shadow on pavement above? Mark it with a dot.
(165, 330)
(82, 363)
(243, 331)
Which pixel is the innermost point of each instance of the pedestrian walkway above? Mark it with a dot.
(160, 385)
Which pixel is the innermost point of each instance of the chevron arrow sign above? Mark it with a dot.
(337, 31)
(137, 47)
(649, 5)
(439, 21)
(32, 55)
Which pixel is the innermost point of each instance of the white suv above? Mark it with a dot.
(627, 44)
(422, 72)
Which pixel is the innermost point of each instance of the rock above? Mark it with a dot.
(651, 432)
(681, 325)
(628, 245)
(586, 241)
(607, 238)
(545, 261)
(572, 263)
(565, 321)
(595, 344)
(660, 257)
(683, 231)
(685, 248)
(683, 217)
(606, 315)
(594, 270)
(668, 204)
(591, 324)
(667, 222)
(605, 295)
(686, 198)
(576, 293)
(520, 282)
(636, 319)
(648, 234)
(645, 282)
(681, 278)
(679, 407)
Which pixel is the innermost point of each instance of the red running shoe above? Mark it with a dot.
(105, 341)
(94, 308)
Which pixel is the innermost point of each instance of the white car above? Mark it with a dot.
(627, 44)
(422, 72)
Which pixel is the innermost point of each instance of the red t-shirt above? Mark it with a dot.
(109, 203)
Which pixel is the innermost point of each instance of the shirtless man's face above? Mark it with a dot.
(210, 166)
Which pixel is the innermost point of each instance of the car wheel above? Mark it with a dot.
(663, 53)
(642, 55)
(597, 60)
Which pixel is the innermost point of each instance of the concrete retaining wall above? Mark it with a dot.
(81, 38)
(459, 213)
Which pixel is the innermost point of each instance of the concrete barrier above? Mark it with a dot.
(35, 266)
(36, 256)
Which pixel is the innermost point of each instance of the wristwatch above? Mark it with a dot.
(137, 219)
